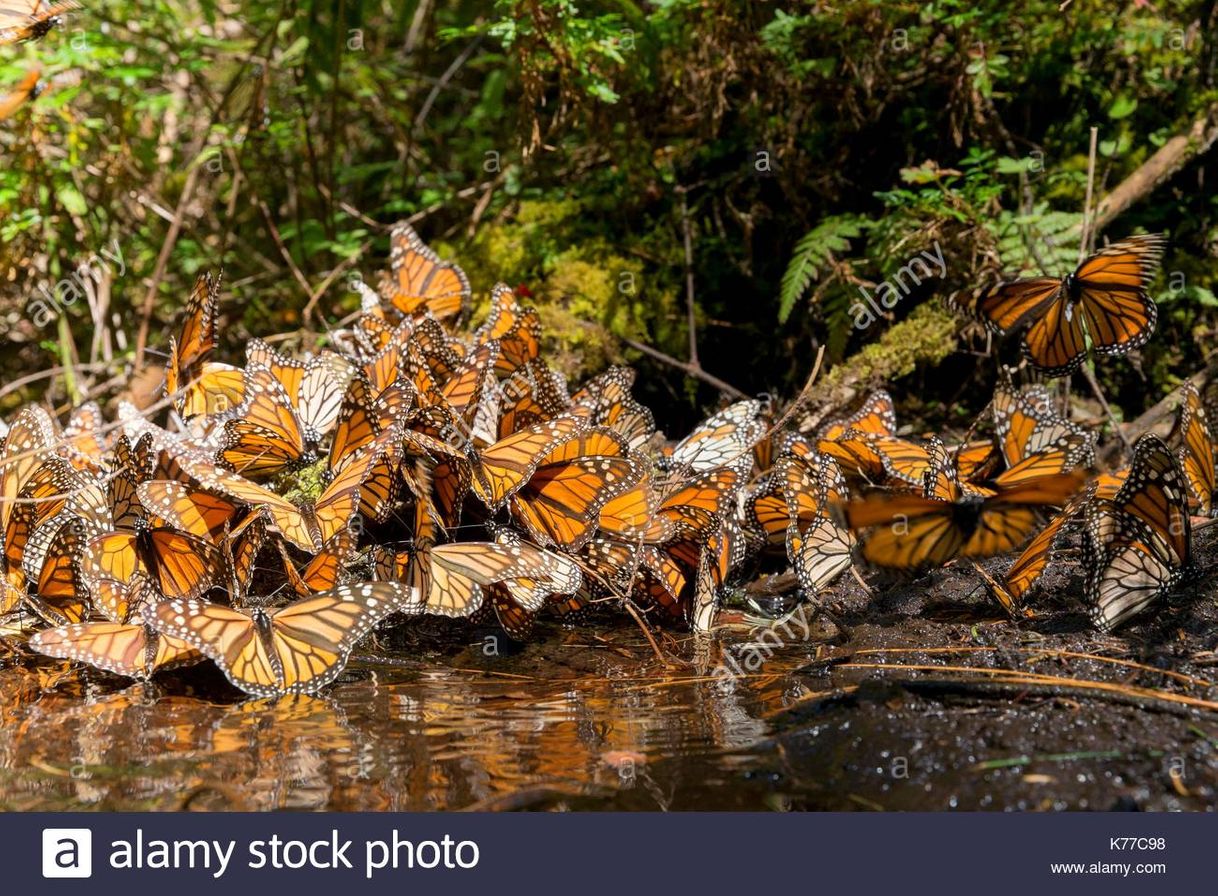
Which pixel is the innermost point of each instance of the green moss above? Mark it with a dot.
(304, 486)
(587, 290)
(927, 336)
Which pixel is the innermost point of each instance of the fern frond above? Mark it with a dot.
(813, 253)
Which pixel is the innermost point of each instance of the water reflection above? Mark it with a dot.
(575, 718)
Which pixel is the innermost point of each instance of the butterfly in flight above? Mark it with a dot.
(25, 20)
(946, 521)
(28, 88)
(1104, 301)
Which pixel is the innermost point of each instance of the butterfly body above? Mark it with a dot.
(38, 21)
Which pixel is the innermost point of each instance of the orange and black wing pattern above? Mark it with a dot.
(419, 282)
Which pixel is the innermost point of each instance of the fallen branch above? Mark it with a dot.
(1161, 416)
(1170, 158)
(1151, 701)
(695, 371)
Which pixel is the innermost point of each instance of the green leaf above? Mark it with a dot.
(294, 53)
(70, 198)
(1123, 107)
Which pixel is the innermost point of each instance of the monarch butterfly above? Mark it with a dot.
(502, 469)
(265, 436)
(607, 398)
(1104, 300)
(876, 416)
(850, 440)
(130, 649)
(196, 385)
(818, 548)
(452, 578)
(629, 509)
(198, 337)
(819, 554)
(976, 461)
(1026, 423)
(514, 619)
(27, 449)
(766, 509)
(904, 463)
(609, 565)
(203, 514)
(690, 545)
(388, 362)
(689, 509)
(1138, 543)
(515, 330)
(296, 649)
(61, 507)
(515, 603)
(725, 549)
(177, 562)
(465, 393)
(562, 499)
(662, 582)
(29, 442)
(83, 443)
(419, 281)
(41, 500)
(24, 20)
(180, 564)
(119, 645)
(798, 490)
(358, 422)
(217, 389)
(239, 554)
(945, 522)
(326, 568)
(314, 386)
(722, 439)
(1030, 565)
(28, 88)
(430, 355)
(533, 394)
(59, 597)
(1196, 450)
(309, 526)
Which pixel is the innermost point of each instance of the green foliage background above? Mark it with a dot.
(817, 146)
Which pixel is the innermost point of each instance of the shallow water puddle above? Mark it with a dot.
(577, 718)
(590, 718)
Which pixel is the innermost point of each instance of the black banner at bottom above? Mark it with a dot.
(608, 853)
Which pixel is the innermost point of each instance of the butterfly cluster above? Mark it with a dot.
(288, 505)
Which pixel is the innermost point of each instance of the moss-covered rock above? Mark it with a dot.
(587, 289)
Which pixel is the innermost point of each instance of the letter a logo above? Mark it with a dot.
(67, 852)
